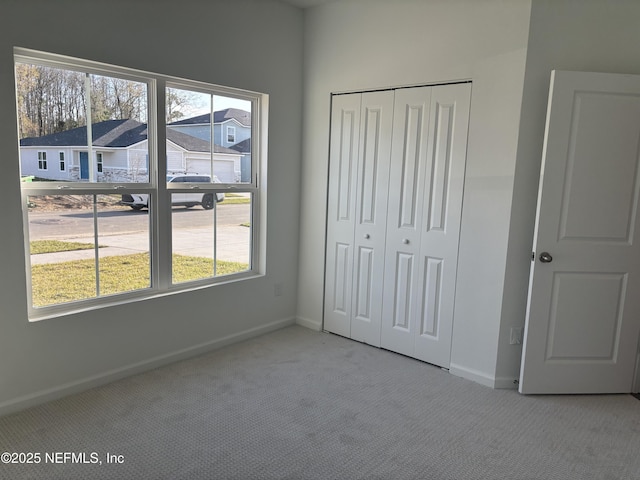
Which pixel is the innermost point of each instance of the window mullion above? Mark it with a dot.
(215, 242)
(87, 107)
(160, 210)
(213, 138)
(96, 244)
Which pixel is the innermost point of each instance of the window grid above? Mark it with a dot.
(42, 160)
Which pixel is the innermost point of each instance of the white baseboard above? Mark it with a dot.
(474, 375)
(308, 323)
(77, 386)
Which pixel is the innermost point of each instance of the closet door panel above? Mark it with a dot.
(404, 219)
(341, 213)
(442, 207)
(371, 214)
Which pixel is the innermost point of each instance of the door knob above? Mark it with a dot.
(545, 257)
(367, 236)
(405, 241)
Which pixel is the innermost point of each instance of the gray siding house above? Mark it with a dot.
(231, 129)
(120, 154)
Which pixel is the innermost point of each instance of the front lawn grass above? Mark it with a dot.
(54, 283)
(234, 199)
(53, 246)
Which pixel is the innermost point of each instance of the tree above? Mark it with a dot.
(175, 100)
(26, 81)
(52, 100)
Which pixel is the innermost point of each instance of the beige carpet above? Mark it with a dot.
(297, 404)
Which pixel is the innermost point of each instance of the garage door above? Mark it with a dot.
(224, 171)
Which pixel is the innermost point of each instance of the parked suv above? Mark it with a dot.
(140, 201)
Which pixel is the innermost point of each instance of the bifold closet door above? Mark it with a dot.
(427, 178)
(360, 152)
(397, 161)
(405, 217)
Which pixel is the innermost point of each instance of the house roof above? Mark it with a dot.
(195, 144)
(241, 116)
(118, 133)
(110, 133)
(243, 146)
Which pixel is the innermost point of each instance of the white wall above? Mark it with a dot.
(355, 45)
(581, 35)
(44, 359)
(29, 159)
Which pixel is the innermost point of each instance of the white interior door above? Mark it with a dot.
(583, 316)
(423, 224)
(405, 217)
(341, 211)
(442, 213)
(360, 154)
(372, 192)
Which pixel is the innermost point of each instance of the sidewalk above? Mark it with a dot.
(233, 244)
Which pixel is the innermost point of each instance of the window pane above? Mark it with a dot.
(62, 248)
(123, 236)
(62, 235)
(52, 118)
(233, 234)
(232, 126)
(210, 243)
(118, 130)
(189, 133)
(192, 239)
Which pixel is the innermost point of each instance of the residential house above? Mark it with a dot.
(231, 129)
(120, 154)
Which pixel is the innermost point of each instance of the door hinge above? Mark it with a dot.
(533, 256)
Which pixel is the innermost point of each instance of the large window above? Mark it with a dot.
(125, 217)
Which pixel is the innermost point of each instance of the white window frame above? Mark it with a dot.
(160, 230)
(99, 162)
(62, 163)
(42, 160)
(231, 131)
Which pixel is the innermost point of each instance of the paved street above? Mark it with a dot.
(123, 232)
(62, 224)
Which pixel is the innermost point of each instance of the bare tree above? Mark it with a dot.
(52, 100)
(175, 101)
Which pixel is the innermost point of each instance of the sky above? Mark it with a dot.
(200, 103)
